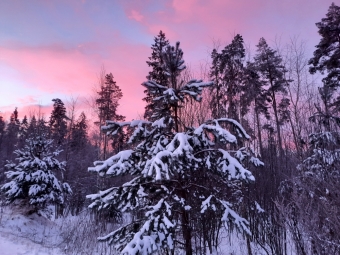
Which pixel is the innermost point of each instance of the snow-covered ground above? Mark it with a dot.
(22, 234)
(14, 245)
(27, 235)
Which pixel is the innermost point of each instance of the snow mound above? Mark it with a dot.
(27, 234)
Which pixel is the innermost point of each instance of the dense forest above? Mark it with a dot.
(251, 146)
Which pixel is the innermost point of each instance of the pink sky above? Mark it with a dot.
(52, 49)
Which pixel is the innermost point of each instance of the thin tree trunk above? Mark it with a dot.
(259, 132)
(249, 246)
(277, 124)
(186, 232)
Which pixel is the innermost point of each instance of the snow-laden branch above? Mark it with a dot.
(116, 165)
(236, 124)
(155, 232)
(220, 133)
(163, 162)
(230, 215)
(233, 168)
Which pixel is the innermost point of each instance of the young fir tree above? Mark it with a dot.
(2, 127)
(157, 74)
(178, 175)
(24, 127)
(58, 121)
(33, 178)
(42, 126)
(81, 155)
(32, 126)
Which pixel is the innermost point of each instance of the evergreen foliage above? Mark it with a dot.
(107, 102)
(12, 132)
(327, 53)
(272, 73)
(58, 121)
(79, 136)
(177, 176)
(218, 100)
(33, 177)
(227, 73)
(157, 74)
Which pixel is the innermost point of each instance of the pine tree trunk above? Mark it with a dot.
(249, 246)
(259, 132)
(277, 123)
(186, 232)
(296, 141)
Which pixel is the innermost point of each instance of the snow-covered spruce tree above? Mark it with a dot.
(33, 179)
(177, 173)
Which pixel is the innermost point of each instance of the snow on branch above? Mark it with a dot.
(220, 133)
(195, 87)
(158, 166)
(238, 126)
(180, 146)
(231, 166)
(116, 165)
(153, 85)
(164, 160)
(155, 233)
(230, 215)
(113, 128)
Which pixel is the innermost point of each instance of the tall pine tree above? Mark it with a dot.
(58, 121)
(157, 74)
(227, 73)
(255, 95)
(271, 70)
(107, 103)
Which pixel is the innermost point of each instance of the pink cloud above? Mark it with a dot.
(57, 70)
(28, 100)
(198, 23)
(50, 69)
(136, 15)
